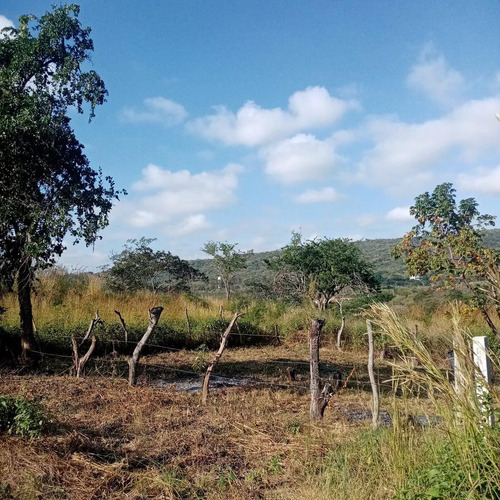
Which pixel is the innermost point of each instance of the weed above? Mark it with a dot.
(22, 417)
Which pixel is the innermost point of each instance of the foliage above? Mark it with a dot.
(447, 244)
(323, 269)
(471, 446)
(138, 267)
(226, 260)
(21, 417)
(47, 187)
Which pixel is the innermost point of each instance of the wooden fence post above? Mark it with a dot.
(319, 397)
(223, 342)
(154, 317)
(371, 351)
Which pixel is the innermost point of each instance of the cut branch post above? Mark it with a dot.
(225, 336)
(319, 397)
(371, 350)
(80, 362)
(188, 322)
(154, 317)
(339, 334)
(124, 326)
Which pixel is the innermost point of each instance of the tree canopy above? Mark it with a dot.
(47, 188)
(322, 269)
(447, 244)
(227, 260)
(139, 267)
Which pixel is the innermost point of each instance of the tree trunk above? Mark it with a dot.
(490, 323)
(24, 282)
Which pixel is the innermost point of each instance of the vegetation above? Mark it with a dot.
(156, 441)
(138, 267)
(21, 417)
(447, 244)
(47, 188)
(321, 270)
(227, 261)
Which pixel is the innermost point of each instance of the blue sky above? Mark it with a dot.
(242, 120)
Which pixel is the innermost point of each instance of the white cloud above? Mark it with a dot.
(404, 154)
(5, 22)
(156, 110)
(484, 180)
(435, 78)
(181, 198)
(365, 220)
(326, 195)
(400, 214)
(253, 125)
(191, 224)
(298, 159)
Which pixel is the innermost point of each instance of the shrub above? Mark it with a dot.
(22, 417)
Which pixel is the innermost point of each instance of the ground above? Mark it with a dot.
(112, 441)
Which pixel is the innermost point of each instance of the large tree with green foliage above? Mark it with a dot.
(47, 188)
(139, 267)
(322, 269)
(226, 260)
(447, 245)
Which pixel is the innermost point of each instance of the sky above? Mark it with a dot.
(245, 120)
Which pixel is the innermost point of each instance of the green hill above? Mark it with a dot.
(392, 272)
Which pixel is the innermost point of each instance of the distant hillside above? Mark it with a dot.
(378, 252)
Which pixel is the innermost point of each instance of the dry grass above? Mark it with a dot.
(116, 442)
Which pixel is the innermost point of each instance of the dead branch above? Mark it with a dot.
(206, 380)
(154, 317)
(79, 362)
(124, 326)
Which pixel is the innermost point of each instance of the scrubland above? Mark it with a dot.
(101, 438)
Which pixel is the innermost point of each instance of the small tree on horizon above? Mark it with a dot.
(139, 267)
(323, 269)
(227, 261)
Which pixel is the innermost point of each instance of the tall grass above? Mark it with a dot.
(468, 463)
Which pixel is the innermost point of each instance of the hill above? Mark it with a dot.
(392, 272)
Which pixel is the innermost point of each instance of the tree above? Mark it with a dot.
(322, 269)
(138, 267)
(226, 260)
(47, 188)
(447, 245)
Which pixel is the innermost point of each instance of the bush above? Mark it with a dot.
(22, 417)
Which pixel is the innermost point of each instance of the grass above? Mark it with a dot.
(109, 440)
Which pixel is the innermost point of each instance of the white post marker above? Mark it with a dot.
(483, 379)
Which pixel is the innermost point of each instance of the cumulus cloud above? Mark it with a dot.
(300, 158)
(5, 22)
(253, 125)
(399, 214)
(484, 180)
(435, 78)
(404, 154)
(326, 195)
(181, 198)
(156, 110)
(366, 220)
